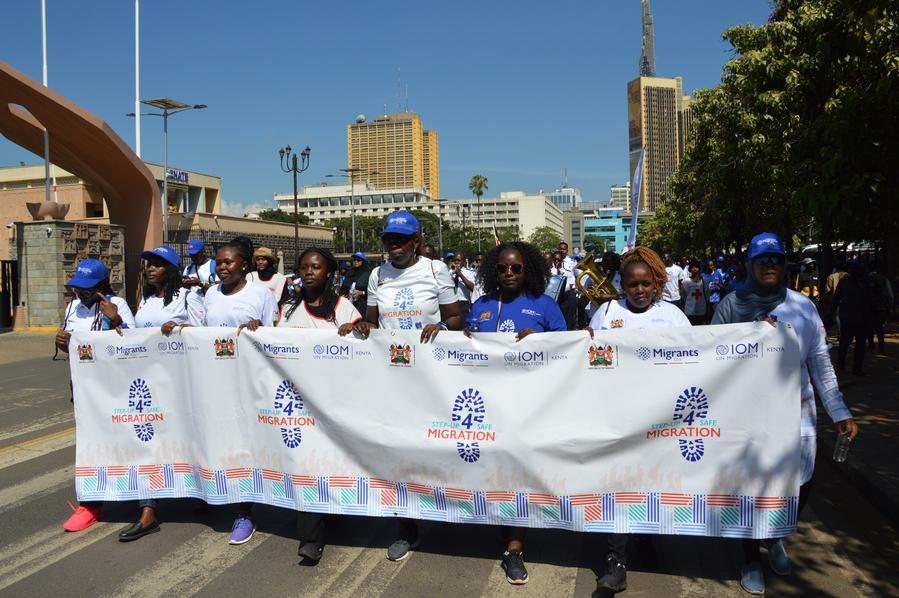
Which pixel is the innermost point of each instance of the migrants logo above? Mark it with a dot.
(467, 425)
(456, 357)
(141, 412)
(288, 414)
(690, 424)
(600, 357)
(85, 353)
(278, 350)
(669, 355)
(127, 351)
(225, 348)
(401, 355)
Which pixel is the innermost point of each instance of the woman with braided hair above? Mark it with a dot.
(643, 280)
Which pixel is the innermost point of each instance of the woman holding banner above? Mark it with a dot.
(643, 278)
(94, 307)
(409, 292)
(316, 306)
(766, 297)
(164, 304)
(237, 302)
(513, 277)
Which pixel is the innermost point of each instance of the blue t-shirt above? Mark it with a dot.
(716, 281)
(542, 314)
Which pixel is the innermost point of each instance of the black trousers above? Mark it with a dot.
(849, 332)
(617, 544)
(311, 526)
(752, 548)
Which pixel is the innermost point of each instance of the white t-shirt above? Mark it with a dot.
(202, 272)
(464, 292)
(410, 298)
(79, 318)
(615, 314)
(569, 265)
(344, 313)
(695, 300)
(675, 275)
(252, 302)
(186, 307)
(275, 286)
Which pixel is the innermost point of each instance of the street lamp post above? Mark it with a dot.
(292, 166)
(349, 172)
(169, 108)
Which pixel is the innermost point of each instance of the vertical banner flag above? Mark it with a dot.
(691, 431)
(496, 240)
(636, 185)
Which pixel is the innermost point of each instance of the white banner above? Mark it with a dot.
(677, 431)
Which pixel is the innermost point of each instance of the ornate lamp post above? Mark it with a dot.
(289, 164)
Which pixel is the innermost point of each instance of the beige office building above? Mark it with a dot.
(394, 151)
(652, 109)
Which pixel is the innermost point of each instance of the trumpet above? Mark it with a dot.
(602, 289)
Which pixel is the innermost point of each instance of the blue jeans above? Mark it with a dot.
(147, 502)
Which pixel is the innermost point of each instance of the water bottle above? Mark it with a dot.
(841, 450)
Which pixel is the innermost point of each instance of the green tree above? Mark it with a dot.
(545, 239)
(279, 215)
(477, 185)
(595, 243)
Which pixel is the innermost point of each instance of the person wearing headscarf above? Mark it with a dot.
(766, 297)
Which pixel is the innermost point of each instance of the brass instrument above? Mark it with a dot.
(602, 289)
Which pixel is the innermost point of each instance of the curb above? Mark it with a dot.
(864, 481)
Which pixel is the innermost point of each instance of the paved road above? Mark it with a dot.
(844, 547)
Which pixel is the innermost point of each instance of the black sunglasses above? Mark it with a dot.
(771, 258)
(516, 268)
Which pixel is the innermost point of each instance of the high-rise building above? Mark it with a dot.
(652, 108)
(397, 149)
(659, 118)
(620, 197)
(648, 53)
(566, 198)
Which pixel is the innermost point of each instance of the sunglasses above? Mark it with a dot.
(516, 268)
(772, 259)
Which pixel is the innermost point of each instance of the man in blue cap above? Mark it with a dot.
(199, 272)
(355, 284)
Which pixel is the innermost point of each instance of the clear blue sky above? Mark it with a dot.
(518, 90)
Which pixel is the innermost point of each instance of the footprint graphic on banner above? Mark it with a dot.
(288, 401)
(468, 410)
(691, 406)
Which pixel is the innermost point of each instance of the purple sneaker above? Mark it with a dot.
(242, 530)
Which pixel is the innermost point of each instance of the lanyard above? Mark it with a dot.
(499, 310)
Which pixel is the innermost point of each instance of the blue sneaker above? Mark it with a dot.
(778, 559)
(242, 530)
(752, 579)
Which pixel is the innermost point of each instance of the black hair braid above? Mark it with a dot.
(244, 248)
(329, 297)
(171, 287)
(536, 271)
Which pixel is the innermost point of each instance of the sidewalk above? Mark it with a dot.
(873, 462)
(19, 346)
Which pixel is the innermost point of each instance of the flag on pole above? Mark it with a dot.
(496, 234)
(635, 202)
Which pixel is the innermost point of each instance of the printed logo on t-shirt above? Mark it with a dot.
(507, 326)
(616, 324)
(485, 315)
(402, 301)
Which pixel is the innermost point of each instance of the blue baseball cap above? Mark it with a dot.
(88, 274)
(401, 223)
(766, 243)
(165, 252)
(720, 259)
(196, 246)
(360, 255)
(449, 254)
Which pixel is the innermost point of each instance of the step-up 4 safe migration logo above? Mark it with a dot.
(288, 414)
(467, 425)
(140, 411)
(690, 424)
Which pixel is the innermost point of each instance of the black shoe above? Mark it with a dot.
(615, 579)
(311, 550)
(135, 531)
(513, 564)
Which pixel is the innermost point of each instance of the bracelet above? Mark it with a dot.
(443, 325)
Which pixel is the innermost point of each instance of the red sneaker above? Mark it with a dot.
(82, 518)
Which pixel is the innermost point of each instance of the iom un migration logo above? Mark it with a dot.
(140, 400)
(690, 408)
(288, 401)
(469, 410)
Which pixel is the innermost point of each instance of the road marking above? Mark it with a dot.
(45, 548)
(189, 568)
(367, 575)
(35, 487)
(36, 447)
(64, 417)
